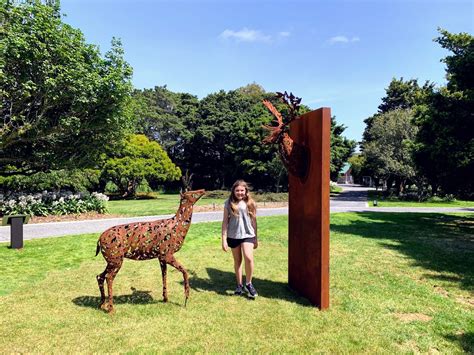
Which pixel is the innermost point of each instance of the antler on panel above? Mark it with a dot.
(293, 155)
(274, 131)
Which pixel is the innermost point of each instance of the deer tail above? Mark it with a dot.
(97, 249)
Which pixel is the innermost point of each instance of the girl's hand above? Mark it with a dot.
(225, 247)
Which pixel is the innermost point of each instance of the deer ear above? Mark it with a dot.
(181, 192)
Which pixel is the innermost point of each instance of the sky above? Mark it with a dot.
(337, 54)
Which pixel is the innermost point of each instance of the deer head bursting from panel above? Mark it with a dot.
(294, 156)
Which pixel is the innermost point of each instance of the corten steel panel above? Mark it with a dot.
(308, 242)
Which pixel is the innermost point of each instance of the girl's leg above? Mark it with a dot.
(247, 248)
(237, 254)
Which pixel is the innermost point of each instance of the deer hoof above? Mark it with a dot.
(105, 307)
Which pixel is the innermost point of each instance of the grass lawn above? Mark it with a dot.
(399, 283)
(168, 203)
(395, 202)
(161, 204)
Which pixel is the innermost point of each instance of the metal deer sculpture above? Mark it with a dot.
(294, 156)
(146, 240)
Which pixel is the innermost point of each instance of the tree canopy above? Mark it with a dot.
(389, 153)
(136, 160)
(442, 121)
(341, 148)
(445, 141)
(61, 100)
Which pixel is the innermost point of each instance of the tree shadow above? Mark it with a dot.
(435, 241)
(136, 297)
(223, 283)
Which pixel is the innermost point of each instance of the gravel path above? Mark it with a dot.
(353, 199)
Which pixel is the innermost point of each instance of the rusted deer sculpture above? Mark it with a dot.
(294, 156)
(146, 240)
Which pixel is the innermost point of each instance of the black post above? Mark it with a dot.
(16, 239)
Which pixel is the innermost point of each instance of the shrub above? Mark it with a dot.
(75, 180)
(50, 203)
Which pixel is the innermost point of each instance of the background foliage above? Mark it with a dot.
(61, 100)
(439, 134)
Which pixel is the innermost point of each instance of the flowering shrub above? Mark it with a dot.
(47, 203)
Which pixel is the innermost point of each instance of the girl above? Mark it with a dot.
(239, 232)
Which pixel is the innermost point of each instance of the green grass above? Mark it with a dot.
(161, 204)
(399, 283)
(395, 202)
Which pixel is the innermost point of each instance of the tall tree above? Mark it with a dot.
(341, 148)
(61, 101)
(389, 153)
(445, 141)
(400, 94)
(164, 116)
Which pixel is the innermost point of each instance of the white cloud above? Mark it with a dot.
(245, 35)
(284, 34)
(343, 39)
(339, 39)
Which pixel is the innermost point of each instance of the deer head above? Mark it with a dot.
(192, 196)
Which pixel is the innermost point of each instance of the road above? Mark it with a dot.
(352, 199)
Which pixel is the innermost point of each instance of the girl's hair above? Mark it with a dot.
(233, 202)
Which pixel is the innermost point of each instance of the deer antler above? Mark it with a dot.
(274, 131)
(293, 104)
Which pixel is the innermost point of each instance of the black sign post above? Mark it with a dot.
(16, 229)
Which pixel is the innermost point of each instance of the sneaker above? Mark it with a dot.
(239, 290)
(251, 291)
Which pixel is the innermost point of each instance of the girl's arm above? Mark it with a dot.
(225, 222)
(254, 225)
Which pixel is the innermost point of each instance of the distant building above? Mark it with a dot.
(345, 176)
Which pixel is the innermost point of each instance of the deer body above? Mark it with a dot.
(159, 239)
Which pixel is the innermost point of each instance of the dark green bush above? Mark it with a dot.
(73, 180)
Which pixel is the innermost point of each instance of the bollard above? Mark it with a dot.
(375, 202)
(16, 229)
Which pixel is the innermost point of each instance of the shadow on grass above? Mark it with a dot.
(439, 242)
(137, 297)
(466, 340)
(223, 283)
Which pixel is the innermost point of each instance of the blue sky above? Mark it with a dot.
(337, 54)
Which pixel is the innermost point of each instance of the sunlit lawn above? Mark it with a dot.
(399, 283)
(395, 202)
(161, 205)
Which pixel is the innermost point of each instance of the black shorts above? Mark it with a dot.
(234, 243)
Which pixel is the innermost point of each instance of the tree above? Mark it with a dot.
(61, 101)
(357, 162)
(399, 94)
(164, 116)
(389, 153)
(341, 148)
(445, 141)
(138, 159)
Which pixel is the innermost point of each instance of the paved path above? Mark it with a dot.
(353, 199)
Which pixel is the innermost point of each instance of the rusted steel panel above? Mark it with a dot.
(308, 244)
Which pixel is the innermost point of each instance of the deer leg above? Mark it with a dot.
(100, 280)
(173, 262)
(112, 270)
(163, 276)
